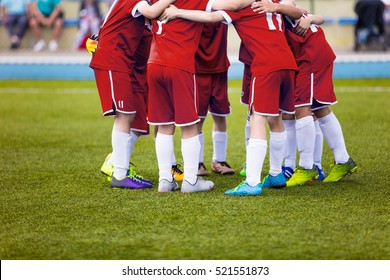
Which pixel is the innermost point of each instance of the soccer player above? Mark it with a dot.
(173, 100)
(273, 68)
(140, 126)
(314, 94)
(211, 66)
(113, 62)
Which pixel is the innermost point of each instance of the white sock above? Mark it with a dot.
(255, 155)
(219, 145)
(318, 146)
(164, 151)
(201, 153)
(120, 153)
(277, 147)
(247, 131)
(173, 158)
(133, 140)
(306, 134)
(333, 135)
(190, 150)
(291, 144)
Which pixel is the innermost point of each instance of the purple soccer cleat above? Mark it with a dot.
(129, 183)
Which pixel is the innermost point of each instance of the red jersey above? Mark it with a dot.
(263, 36)
(244, 56)
(175, 43)
(119, 37)
(211, 56)
(312, 52)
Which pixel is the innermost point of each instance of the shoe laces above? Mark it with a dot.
(239, 185)
(176, 169)
(224, 163)
(133, 177)
(133, 173)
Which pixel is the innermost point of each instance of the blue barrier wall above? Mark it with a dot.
(354, 67)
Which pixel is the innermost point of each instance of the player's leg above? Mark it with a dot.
(277, 150)
(219, 107)
(182, 85)
(164, 151)
(160, 113)
(190, 147)
(176, 170)
(333, 135)
(255, 155)
(291, 145)
(246, 82)
(318, 148)
(257, 145)
(305, 129)
(220, 140)
(202, 170)
(305, 135)
(330, 126)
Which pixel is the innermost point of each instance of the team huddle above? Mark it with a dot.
(164, 63)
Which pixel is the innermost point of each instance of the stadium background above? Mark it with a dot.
(71, 65)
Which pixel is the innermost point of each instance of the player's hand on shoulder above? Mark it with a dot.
(169, 13)
(303, 26)
(264, 7)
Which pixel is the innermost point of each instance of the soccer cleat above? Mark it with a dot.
(127, 183)
(243, 170)
(301, 176)
(243, 189)
(199, 186)
(134, 174)
(166, 186)
(202, 171)
(287, 171)
(222, 168)
(107, 169)
(274, 182)
(177, 173)
(340, 170)
(321, 174)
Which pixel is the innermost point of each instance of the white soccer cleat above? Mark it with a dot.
(199, 186)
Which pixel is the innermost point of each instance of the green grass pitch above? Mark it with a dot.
(55, 204)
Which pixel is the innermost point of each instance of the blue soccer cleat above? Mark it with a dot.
(287, 171)
(243, 189)
(274, 182)
(321, 174)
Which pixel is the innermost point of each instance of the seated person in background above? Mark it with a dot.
(15, 18)
(46, 13)
(109, 3)
(90, 19)
(370, 21)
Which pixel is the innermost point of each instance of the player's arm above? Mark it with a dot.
(230, 5)
(194, 15)
(285, 7)
(305, 22)
(153, 11)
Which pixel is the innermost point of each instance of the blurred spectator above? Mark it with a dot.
(15, 18)
(90, 19)
(387, 11)
(109, 3)
(46, 13)
(370, 23)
